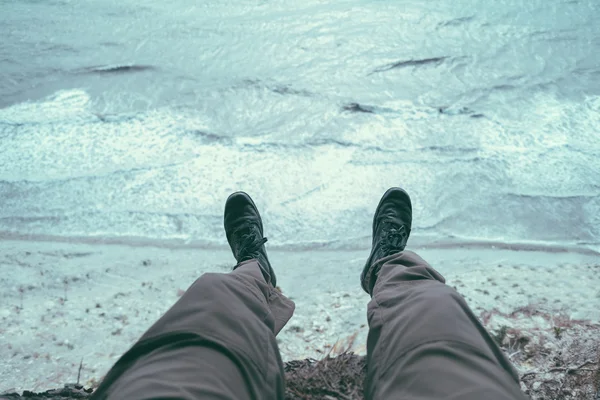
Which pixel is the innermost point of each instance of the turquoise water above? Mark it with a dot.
(120, 120)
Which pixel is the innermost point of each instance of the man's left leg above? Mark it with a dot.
(218, 341)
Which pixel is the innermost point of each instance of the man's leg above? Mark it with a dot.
(216, 342)
(425, 342)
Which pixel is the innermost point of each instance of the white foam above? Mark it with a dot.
(156, 174)
(69, 106)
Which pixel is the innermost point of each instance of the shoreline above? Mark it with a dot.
(362, 243)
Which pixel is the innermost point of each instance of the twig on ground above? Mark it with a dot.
(573, 369)
(79, 372)
(528, 374)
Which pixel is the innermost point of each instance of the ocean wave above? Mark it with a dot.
(70, 106)
(294, 221)
(411, 63)
(116, 69)
(166, 172)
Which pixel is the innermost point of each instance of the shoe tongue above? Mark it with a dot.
(389, 222)
(395, 237)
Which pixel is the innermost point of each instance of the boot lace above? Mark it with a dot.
(249, 245)
(394, 240)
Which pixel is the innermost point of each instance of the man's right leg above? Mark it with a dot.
(425, 343)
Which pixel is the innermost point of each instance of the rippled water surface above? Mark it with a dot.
(121, 119)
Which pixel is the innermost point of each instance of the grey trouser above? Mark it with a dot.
(218, 342)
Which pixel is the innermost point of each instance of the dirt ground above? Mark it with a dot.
(560, 361)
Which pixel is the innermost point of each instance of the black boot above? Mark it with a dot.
(391, 228)
(244, 230)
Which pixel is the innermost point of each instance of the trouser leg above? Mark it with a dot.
(217, 342)
(425, 343)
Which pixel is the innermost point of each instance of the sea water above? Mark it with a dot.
(123, 119)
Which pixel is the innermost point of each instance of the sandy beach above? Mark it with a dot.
(65, 303)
